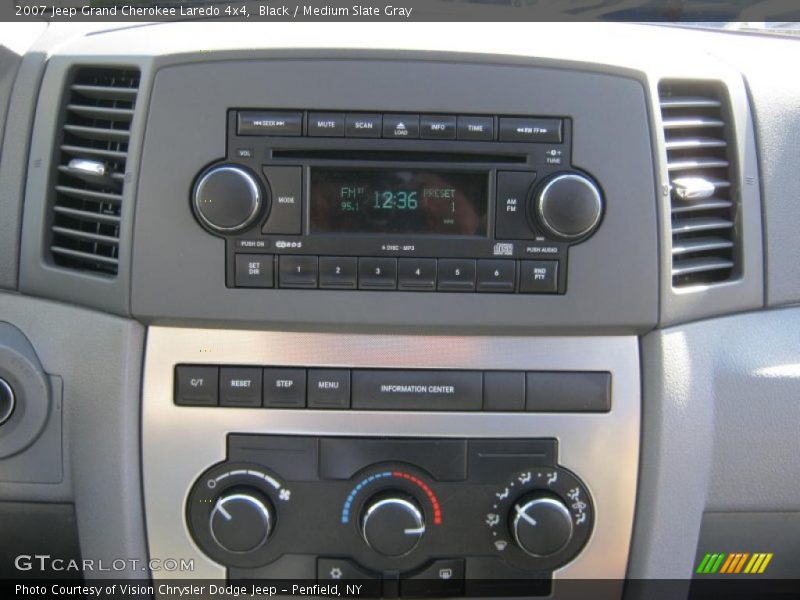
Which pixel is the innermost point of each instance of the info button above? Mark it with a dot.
(417, 390)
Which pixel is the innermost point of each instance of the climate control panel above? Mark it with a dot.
(415, 517)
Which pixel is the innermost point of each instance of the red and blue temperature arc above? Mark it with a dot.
(348, 503)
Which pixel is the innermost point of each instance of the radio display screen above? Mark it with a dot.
(398, 201)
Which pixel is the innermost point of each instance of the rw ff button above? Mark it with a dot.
(196, 386)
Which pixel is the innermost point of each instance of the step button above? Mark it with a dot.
(284, 388)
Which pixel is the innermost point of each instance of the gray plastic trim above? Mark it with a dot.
(38, 274)
(602, 449)
(98, 358)
(719, 431)
(13, 163)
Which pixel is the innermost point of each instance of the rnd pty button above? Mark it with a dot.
(538, 276)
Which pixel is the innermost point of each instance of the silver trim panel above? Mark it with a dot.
(180, 442)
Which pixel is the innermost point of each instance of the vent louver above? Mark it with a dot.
(97, 115)
(702, 200)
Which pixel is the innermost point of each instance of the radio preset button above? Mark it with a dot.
(496, 275)
(456, 275)
(511, 221)
(326, 124)
(338, 272)
(401, 126)
(363, 125)
(284, 388)
(328, 388)
(476, 128)
(437, 127)
(286, 185)
(258, 122)
(417, 274)
(530, 130)
(297, 271)
(377, 273)
(239, 387)
(538, 277)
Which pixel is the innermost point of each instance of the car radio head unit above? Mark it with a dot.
(412, 202)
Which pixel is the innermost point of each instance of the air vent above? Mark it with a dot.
(702, 200)
(97, 115)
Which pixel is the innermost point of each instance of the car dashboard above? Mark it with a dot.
(494, 310)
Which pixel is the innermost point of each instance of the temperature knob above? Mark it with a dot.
(568, 206)
(541, 525)
(227, 199)
(241, 521)
(393, 524)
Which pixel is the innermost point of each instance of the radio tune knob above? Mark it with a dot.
(568, 206)
(227, 199)
(392, 525)
(541, 525)
(241, 521)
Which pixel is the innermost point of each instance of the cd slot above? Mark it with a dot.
(399, 156)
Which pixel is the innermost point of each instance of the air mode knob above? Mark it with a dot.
(227, 199)
(393, 524)
(241, 521)
(568, 206)
(541, 524)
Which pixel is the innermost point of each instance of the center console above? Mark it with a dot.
(308, 412)
(456, 500)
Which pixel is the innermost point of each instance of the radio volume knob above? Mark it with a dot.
(568, 206)
(227, 199)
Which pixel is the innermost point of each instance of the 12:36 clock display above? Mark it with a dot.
(408, 201)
